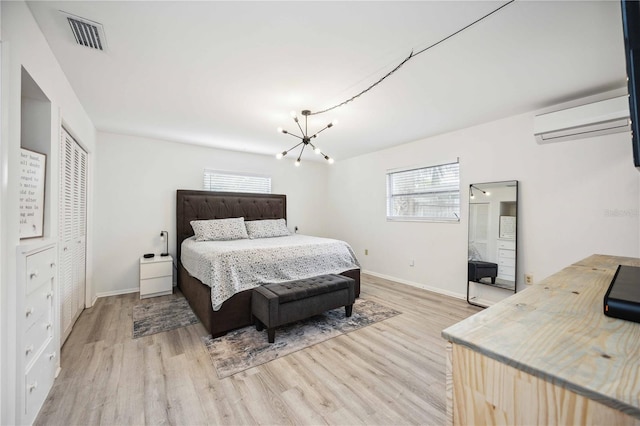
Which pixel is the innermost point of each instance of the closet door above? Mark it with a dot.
(73, 199)
(79, 229)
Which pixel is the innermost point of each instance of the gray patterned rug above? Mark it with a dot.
(245, 348)
(152, 318)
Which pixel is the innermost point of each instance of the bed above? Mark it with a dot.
(191, 205)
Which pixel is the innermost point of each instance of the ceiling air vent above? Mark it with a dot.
(86, 32)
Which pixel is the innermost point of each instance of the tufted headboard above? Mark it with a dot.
(200, 205)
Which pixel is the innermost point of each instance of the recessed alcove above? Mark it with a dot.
(35, 135)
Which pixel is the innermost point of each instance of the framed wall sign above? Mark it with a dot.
(32, 177)
(508, 227)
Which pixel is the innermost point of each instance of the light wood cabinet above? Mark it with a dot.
(547, 355)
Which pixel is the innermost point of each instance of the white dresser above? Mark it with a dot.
(156, 276)
(507, 259)
(37, 343)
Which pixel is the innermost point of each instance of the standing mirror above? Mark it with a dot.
(493, 236)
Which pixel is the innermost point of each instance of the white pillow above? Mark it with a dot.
(267, 228)
(219, 229)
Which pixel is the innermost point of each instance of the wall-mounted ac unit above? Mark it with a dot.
(594, 119)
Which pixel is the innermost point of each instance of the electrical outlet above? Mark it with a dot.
(295, 229)
(528, 279)
(366, 252)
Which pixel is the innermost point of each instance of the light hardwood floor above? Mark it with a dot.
(392, 372)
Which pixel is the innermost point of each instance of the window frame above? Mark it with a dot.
(451, 190)
(207, 181)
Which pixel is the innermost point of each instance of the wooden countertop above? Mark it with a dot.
(556, 330)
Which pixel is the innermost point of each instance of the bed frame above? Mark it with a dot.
(201, 205)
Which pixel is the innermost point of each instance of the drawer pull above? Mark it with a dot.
(28, 350)
(33, 386)
(49, 294)
(52, 356)
(52, 264)
(34, 274)
(49, 325)
(29, 311)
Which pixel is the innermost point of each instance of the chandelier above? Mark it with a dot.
(305, 139)
(472, 195)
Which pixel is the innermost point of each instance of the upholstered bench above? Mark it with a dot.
(479, 269)
(273, 305)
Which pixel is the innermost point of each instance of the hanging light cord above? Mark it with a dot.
(411, 56)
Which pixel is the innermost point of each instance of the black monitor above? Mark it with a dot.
(631, 32)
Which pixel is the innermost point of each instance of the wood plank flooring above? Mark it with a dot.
(392, 372)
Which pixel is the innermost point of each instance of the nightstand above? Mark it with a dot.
(156, 276)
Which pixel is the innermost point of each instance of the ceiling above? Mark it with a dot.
(227, 74)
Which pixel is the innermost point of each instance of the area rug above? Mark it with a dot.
(245, 348)
(152, 318)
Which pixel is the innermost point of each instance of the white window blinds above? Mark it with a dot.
(425, 194)
(215, 180)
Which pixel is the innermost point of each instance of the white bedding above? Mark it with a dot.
(229, 267)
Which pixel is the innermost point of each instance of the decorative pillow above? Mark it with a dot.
(267, 228)
(219, 229)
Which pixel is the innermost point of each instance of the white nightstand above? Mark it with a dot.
(156, 276)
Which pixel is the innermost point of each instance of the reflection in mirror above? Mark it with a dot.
(492, 254)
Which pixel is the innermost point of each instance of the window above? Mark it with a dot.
(215, 180)
(425, 194)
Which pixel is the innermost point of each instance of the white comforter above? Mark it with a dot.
(230, 267)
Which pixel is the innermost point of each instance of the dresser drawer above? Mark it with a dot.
(41, 267)
(36, 337)
(38, 380)
(156, 287)
(507, 244)
(507, 263)
(506, 254)
(39, 304)
(506, 271)
(155, 270)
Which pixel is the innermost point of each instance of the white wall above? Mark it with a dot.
(3, 168)
(23, 45)
(577, 198)
(137, 179)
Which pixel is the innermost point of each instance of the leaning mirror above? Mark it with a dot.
(493, 236)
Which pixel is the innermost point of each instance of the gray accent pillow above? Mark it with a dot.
(219, 229)
(267, 228)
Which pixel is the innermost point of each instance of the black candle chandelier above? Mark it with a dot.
(305, 139)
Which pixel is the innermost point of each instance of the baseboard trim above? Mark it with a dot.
(375, 274)
(119, 292)
(415, 284)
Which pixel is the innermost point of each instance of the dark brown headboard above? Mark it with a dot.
(201, 205)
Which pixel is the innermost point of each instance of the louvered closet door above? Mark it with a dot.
(65, 274)
(73, 199)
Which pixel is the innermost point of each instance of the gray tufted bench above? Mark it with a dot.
(273, 305)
